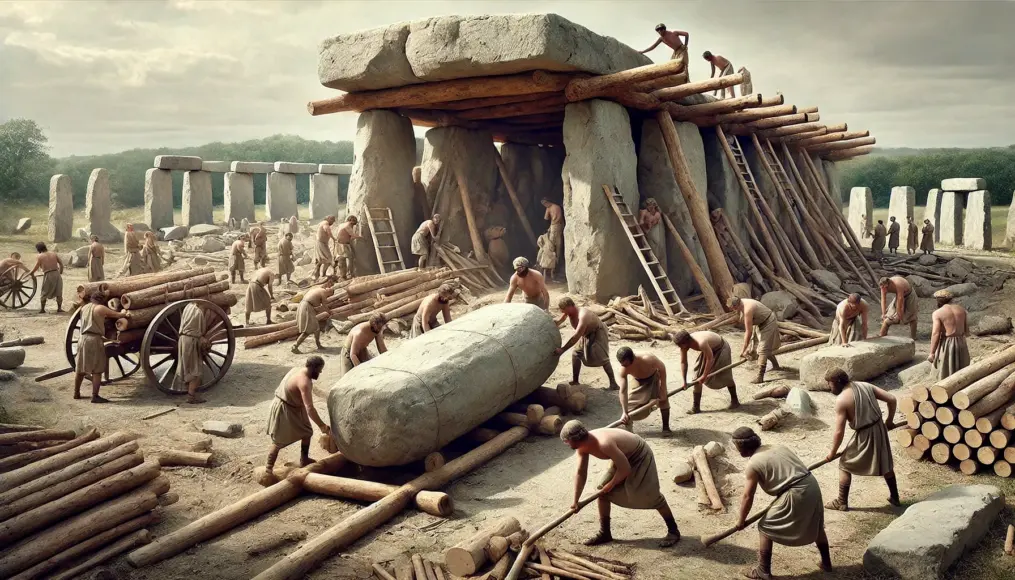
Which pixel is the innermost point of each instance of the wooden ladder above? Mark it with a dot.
(656, 271)
(781, 176)
(382, 228)
(743, 168)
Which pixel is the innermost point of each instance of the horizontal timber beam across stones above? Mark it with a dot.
(688, 89)
(773, 123)
(802, 136)
(807, 110)
(481, 102)
(849, 153)
(841, 145)
(551, 104)
(756, 114)
(790, 130)
(660, 83)
(590, 88)
(685, 113)
(832, 137)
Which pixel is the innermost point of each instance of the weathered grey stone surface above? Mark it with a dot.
(323, 195)
(977, 230)
(782, 303)
(216, 166)
(280, 196)
(252, 167)
(294, 225)
(23, 225)
(723, 188)
(12, 357)
(77, 258)
(61, 208)
(924, 542)
(600, 150)
(335, 168)
(174, 233)
(861, 211)
(7, 376)
(861, 360)
(831, 171)
(950, 227)
(204, 244)
(99, 208)
(298, 168)
(963, 184)
(900, 205)
(917, 373)
(959, 268)
(799, 402)
(965, 289)
(827, 280)
(927, 260)
(206, 230)
(158, 198)
(923, 287)
(398, 407)
(178, 162)
(197, 208)
(238, 196)
(992, 324)
(245, 225)
(222, 428)
(366, 60)
(932, 212)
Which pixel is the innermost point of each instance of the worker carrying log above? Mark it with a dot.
(191, 367)
(948, 349)
(306, 314)
(912, 236)
(530, 282)
(650, 374)
(592, 338)
(132, 262)
(439, 302)
(345, 252)
(672, 39)
(868, 452)
(713, 353)
(651, 219)
(725, 68)
(850, 323)
(425, 236)
(761, 333)
(52, 277)
(355, 351)
(797, 517)
(893, 235)
(555, 215)
(904, 308)
(238, 259)
(286, 263)
(927, 241)
(91, 356)
(878, 240)
(259, 295)
(96, 260)
(290, 415)
(259, 241)
(546, 257)
(323, 258)
(631, 482)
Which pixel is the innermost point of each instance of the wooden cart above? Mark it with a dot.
(17, 287)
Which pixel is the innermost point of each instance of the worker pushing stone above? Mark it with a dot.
(713, 353)
(439, 302)
(592, 338)
(91, 356)
(52, 277)
(259, 295)
(355, 351)
(850, 324)
(345, 251)
(530, 282)
(761, 333)
(949, 352)
(904, 308)
(292, 410)
(649, 374)
(306, 314)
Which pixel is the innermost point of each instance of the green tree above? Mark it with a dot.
(24, 161)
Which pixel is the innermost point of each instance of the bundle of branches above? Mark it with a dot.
(71, 502)
(478, 277)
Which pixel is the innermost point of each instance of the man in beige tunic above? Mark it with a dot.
(893, 235)
(530, 282)
(52, 277)
(150, 253)
(286, 264)
(426, 235)
(878, 241)
(592, 338)
(850, 321)
(912, 236)
(259, 241)
(291, 412)
(869, 452)
(927, 241)
(259, 295)
(651, 219)
(96, 261)
(796, 517)
(238, 259)
(904, 308)
(631, 482)
(761, 333)
(91, 355)
(555, 215)
(439, 302)
(714, 353)
(306, 314)
(192, 349)
(949, 352)
(345, 251)
(650, 375)
(132, 262)
(355, 351)
(323, 258)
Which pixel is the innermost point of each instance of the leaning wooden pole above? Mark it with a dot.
(513, 194)
(711, 298)
(470, 218)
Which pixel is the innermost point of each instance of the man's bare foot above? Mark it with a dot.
(757, 574)
(601, 538)
(60, 310)
(574, 383)
(837, 505)
(98, 399)
(894, 501)
(667, 433)
(824, 568)
(319, 347)
(42, 311)
(613, 387)
(693, 411)
(77, 395)
(669, 540)
(294, 350)
(734, 405)
(195, 399)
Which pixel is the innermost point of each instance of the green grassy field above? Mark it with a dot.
(998, 219)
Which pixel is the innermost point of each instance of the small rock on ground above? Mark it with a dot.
(222, 429)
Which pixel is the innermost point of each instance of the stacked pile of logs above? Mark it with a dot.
(69, 503)
(967, 419)
(477, 277)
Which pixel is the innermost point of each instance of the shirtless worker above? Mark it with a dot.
(290, 415)
(651, 219)
(927, 241)
(650, 374)
(878, 241)
(96, 260)
(323, 258)
(424, 237)
(259, 295)
(912, 236)
(850, 321)
(592, 337)
(555, 215)
(797, 517)
(286, 264)
(948, 350)
(631, 482)
(132, 262)
(761, 328)
(355, 351)
(725, 68)
(191, 350)
(893, 235)
(530, 282)
(439, 302)
(306, 314)
(7, 265)
(52, 277)
(238, 259)
(904, 308)
(345, 252)
(259, 241)
(672, 39)
(91, 356)
(868, 452)
(714, 353)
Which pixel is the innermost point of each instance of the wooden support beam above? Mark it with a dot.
(757, 113)
(636, 100)
(513, 194)
(801, 136)
(695, 88)
(484, 102)
(540, 119)
(842, 145)
(790, 130)
(682, 113)
(470, 218)
(775, 101)
(831, 137)
(590, 88)
(715, 305)
(660, 83)
(849, 153)
(807, 110)
(550, 104)
(770, 123)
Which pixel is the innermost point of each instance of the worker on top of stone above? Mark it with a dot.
(650, 219)
(868, 452)
(725, 68)
(322, 257)
(714, 353)
(192, 349)
(150, 253)
(238, 259)
(904, 308)
(530, 282)
(672, 39)
(52, 277)
(878, 240)
(948, 350)
(796, 517)
(286, 263)
(761, 333)
(355, 351)
(91, 355)
(631, 482)
(259, 240)
(592, 338)
(555, 215)
(132, 262)
(927, 241)
(96, 260)
(345, 252)
(426, 235)
(893, 235)
(439, 302)
(259, 295)
(291, 412)
(650, 374)
(912, 236)
(306, 314)
(850, 321)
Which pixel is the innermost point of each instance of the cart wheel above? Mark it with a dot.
(160, 348)
(119, 366)
(17, 287)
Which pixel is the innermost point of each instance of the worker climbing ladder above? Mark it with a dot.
(385, 238)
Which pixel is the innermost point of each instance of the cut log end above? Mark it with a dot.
(435, 503)
(1002, 468)
(968, 467)
(930, 430)
(927, 409)
(986, 455)
(961, 451)
(944, 416)
(905, 437)
(952, 434)
(941, 453)
(939, 395)
(920, 393)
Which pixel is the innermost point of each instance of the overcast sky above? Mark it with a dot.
(107, 76)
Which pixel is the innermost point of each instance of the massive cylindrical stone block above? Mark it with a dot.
(197, 207)
(401, 406)
(900, 206)
(977, 230)
(61, 208)
(158, 198)
(932, 212)
(861, 211)
(280, 196)
(238, 195)
(323, 195)
(951, 218)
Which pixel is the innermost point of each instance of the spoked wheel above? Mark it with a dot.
(160, 349)
(121, 361)
(17, 287)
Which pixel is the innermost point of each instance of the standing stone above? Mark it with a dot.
(1009, 231)
(61, 208)
(245, 225)
(158, 198)
(901, 205)
(964, 184)
(861, 211)
(280, 196)
(932, 212)
(294, 225)
(951, 218)
(323, 195)
(600, 150)
(238, 195)
(197, 207)
(98, 207)
(977, 231)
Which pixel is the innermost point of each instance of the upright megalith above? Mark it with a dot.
(61, 208)
(280, 196)
(977, 230)
(951, 218)
(1009, 231)
(900, 206)
(197, 208)
(158, 198)
(238, 195)
(385, 153)
(323, 195)
(99, 208)
(932, 212)
(600, 151)
(861, 211)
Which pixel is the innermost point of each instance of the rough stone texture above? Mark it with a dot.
(927, 260)
(1009, 230)
(923, 286)
(11, 357)
(861, 211)
(723, 187)
(977, 230)
(174, 233)
(7, 376)
(216, 166)
(245, 225)
(992, 324)
(600, 150)
(178, 162)
(158, 198)
(252, 167)
(222, 428)
(900, 205)
(280, 196)
(323, 195)
(78, 258)
(963, 184)
(917, 373)
(959, 268)
(366, 60)
(799, 402)
(827, 280)
(23, 225)
(973, 303)
(932, 212)
(335, 168)
(297, 168)
(398, 407)
(782, 303)
(99, 209)
(965, 289)
(204, 244)
(61, 208)
(950, 226)
(861, 360)
(206, 230)
(197, 208)
(238, 195)
(931, 535)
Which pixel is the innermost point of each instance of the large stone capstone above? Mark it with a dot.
(932, 212)
(323, 195)
(99, 208)
(238, 196)
(400, 406)
(197, 208)
(280, 196)
(158, 198)
(178, 162)
(861, 211)
(900, 206)
(861, 360)
(252, 166)
(61, 208)
(977, 230)
(964, 184)
(950, 226)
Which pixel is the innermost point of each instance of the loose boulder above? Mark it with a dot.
(861, 360)
(827, 280)
(12, 357)
(923, 286)
(992, 324)
(959, 268)
(799, 402)
(927, 260)
(6, 376)
(205, 245)
(965, 289)
(782, 303)
(23, 225)
(79, 257)
(205, 230)
(175, 233)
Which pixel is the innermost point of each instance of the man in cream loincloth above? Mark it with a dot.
(355, 351)
(323, 258)
(191, 350)
(426, 235)
(672, 39)
(761, 333)
(592, 338)
(290, 415)
(306, 314)
(650, 374)
(904, 308)
(91, 356)
(850, 321)
(530, 282)
(345, 252)
(714, 353)
(286, 264)
(259, 295)
(725, 68)
(52, 277)
(238, 259)
(948, 349)
(555, 215)
(96, 260)
(439, 302)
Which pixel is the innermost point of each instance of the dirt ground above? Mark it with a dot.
(532, 481)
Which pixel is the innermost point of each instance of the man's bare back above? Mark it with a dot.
(953, 318)
(750, 308)
(6, 264)
(599, 439)
(431, 307)
(427, 227)
(649, 219)
(48, 261)
(264, 276)
(238, 248)
(317, 296)
(97, 250)
(705, 338)
(643, 367)
(847, 310)
(324, 232)
(360, 338)
(554, 213)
